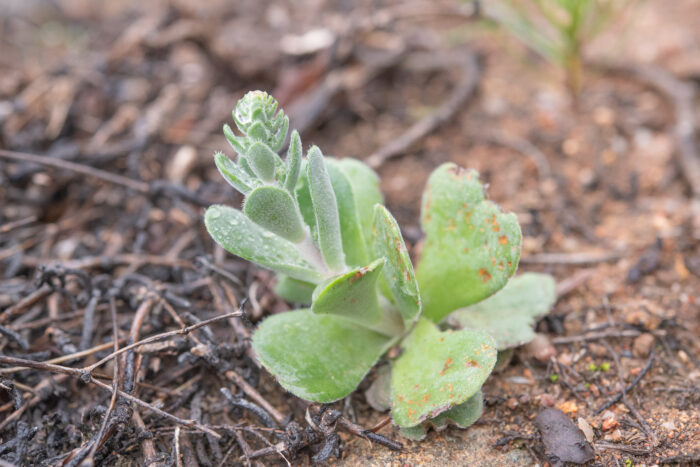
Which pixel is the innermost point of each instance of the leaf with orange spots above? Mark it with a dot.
(462, 416)
(509, 315)
(398, 270)
(471, 248)
(438, 371)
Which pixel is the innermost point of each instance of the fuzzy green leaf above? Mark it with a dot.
(365, 193)
(255, 118)
(293, 162)
(398, 271)
(231, 229)
(462, 416)
(236, 142)
(258, 115)
(352, 295)
(262, 161)
(325, 208)
(243, 163)
(258, 132)
(274, 209)
(350, 228)
(242, 126)
(294, 290)
(303, 194)
(438, 371)
(233, 174)
(277, 139)
(365, 188)
(471, 248)
(276, 123)
(321, 358)
(509, 315)
(254, 106)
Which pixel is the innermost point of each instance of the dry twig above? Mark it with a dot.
(85, 376)
(465, 88)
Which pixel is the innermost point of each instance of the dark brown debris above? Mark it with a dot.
(563, 441)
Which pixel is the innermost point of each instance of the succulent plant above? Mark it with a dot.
(319, 223)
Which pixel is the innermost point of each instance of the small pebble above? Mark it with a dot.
(541, 348)
(603, 116)
(609, 424)
(565, 359)
(642, 345)
(182, 164)
(597, 350)
(569, 407)
(669, 425)
(616, 436)
(642, 319)
(546, 400)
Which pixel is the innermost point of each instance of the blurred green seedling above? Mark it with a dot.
(605, 367)
(558, 30)
(320, 225)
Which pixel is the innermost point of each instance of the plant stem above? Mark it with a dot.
(574, 72)
(310, 252)
(391, 323)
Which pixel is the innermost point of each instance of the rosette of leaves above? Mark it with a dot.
(319, 223)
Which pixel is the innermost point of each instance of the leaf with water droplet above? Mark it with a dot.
(238, 143)
(262, 160)
(257, 132)
(231, 229)
(233, 174)
(274, 209)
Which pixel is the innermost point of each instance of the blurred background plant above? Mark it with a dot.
(558, 30)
